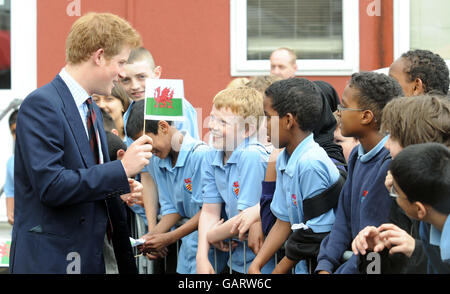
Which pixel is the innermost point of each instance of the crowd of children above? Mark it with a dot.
(319, 183)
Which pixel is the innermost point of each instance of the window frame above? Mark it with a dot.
(23, 51)
(402, 30)
(240, 66)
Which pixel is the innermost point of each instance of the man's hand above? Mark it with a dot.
(367, 239)
(137, 156)
(135, 196)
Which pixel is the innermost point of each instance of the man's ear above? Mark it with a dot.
(120, 154)
(419, 87)
(157, 72)
(98, 57)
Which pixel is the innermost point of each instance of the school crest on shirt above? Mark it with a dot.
(364, 195)
(236, 189)
(294, 199)
(188, 185)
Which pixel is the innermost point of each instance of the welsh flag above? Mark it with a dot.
(164, 99)
(5, 245)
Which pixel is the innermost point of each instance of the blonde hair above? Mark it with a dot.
(245, 102)
(237, 82)
(141, 54)
(261, 83)
(94, 31)
(419, 119)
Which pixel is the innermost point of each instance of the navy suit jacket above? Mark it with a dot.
(62, 198)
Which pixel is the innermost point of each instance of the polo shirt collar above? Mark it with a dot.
(218, 158)
(442, 239)
(365, 157)
(186, 147)
(287, 163)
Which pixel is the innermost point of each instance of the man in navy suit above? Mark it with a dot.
(67, 203)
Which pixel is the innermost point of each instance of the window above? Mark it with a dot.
(17, 49)
(323, 33)
(422, 24)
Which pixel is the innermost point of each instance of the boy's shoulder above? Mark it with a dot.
(200, 150)
(376, 167)
(252, 151)
(310, 156)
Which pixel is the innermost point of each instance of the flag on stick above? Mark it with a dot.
(164, 99)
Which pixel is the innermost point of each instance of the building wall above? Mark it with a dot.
(191, 40)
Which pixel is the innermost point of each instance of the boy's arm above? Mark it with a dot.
(334, 245)
(276, 238)
(150, 198)
(164, 225)
(240, 223)
(220, 232)
(10, 209)
(210, 214)
(284, 266)
(158, 241)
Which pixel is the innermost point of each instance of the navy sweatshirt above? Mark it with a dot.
(364, 201)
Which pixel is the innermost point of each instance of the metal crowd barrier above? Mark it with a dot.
(346, 256)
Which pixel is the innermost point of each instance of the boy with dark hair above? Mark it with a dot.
(304, 170)
(415, 120)
(363, 200)
(9, 182)
(176, 171)
(421, 184)
(420, 72)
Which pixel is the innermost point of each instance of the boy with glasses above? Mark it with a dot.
(363, 200)
(430, 116)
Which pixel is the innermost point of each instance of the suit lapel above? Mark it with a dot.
(73, 117)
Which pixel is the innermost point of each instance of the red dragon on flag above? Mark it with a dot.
(163, 98)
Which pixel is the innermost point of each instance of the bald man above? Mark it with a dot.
(283, 63)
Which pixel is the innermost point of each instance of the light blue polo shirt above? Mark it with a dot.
(238, 184)
(442, 239)
(179, 188)
(305, 174)
(189, 123)
(9, 182)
